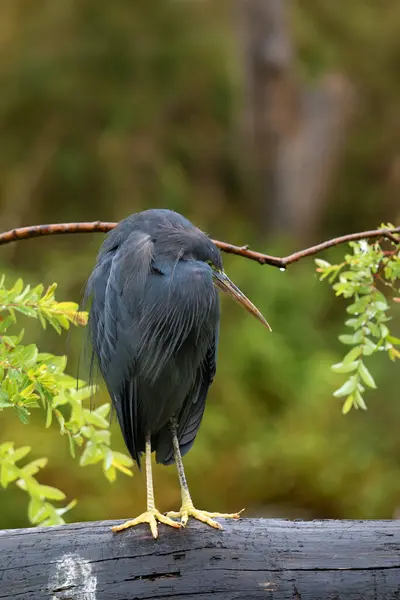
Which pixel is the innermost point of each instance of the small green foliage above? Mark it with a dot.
(89, 430)
(40, 510)
(30, 379)
(363, 277)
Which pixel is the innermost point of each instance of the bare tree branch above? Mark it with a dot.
(24, 233)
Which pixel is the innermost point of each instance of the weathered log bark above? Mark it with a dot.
(249, 559)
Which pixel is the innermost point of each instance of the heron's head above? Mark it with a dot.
(174, 239)
(194, 245)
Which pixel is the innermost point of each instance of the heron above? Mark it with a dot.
(153, 324)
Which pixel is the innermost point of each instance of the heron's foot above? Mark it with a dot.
(188, 510)
(151, 517)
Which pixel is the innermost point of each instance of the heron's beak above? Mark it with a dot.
(224, 284)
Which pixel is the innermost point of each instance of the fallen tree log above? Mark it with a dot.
(249, 559)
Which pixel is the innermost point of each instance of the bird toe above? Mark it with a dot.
(202, 515)
(150, 517)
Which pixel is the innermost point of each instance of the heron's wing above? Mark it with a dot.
(192, 412)
(113, 316)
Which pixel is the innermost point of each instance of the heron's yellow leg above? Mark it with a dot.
(152, 515)
(187, 509)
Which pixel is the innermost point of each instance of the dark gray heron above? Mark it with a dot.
(153, 323)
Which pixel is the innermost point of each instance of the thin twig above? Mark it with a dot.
(24, 233)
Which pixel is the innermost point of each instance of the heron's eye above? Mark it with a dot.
(214, 268)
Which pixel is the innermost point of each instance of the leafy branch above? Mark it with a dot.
(40, 510)
(359, 278)
(30, 379)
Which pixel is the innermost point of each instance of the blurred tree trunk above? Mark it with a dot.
(293, 136)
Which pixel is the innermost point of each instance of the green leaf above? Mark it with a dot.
(55, 324)
(366, 376)
(380, 301)
(3, 474)
(9, 473)
(103, 410)
(91, 455)
(43, 513)
(20, 453)
(347, 339)
(5, 401)
(374, 329)
(63, 510)
(67, 307)
(5, 447)
(123, 459)
(29, 355)
(384, 330)
(354, 338)
(33, 467)
(323, 264)
(41, 319)
(82, 394)
(358, 307)
(62, 319)
(29, 484)
(352, 355)
(71, 446)
(108, 459)
(54, 363)
(347, 388)
(381, 305)
(9, 341)
(122, 468)
(348, 404)
(101, 436)
(35, 509)
(87, 431)
(51, 493)
(111, 474)
(17, 288)
(49, 292)
(368, 347)
(38, 290)
(344, 367)
(393, 354)
(93, 418)
(355, 323)
(49, 415)
(23, 414)
(359, 400)
(27, 392)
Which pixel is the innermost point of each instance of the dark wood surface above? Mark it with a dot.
(249, 559)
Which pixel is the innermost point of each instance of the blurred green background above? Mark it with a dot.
(107, 108)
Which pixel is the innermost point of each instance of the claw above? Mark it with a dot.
(151, 517)
(202, 515)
